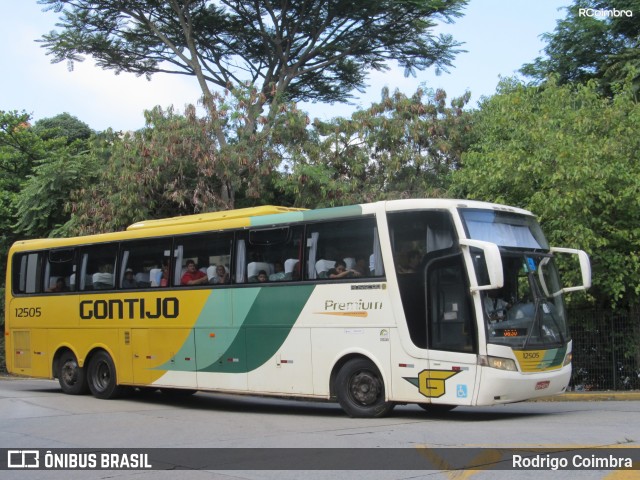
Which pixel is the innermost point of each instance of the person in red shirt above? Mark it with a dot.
(193, 276)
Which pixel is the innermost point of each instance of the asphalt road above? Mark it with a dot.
(34, 414)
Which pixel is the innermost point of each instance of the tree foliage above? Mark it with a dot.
(61, 167)
(39, 168)
(570, 156)
(175, 166)
(401, 147)
(318, 50)
(42, 205)
(282, 51)
(20, 148)
(591, 46)
(62, 125)
(312, 50)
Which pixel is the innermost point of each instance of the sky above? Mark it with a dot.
(499, 37)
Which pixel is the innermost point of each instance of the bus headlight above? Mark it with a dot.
(497, 362)
(567, 359)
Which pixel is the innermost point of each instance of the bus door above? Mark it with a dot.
(436, 301)
(451, 333)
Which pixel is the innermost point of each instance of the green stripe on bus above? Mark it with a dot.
(240, 329)
(264, 328)
(307, 215)
(555, 357)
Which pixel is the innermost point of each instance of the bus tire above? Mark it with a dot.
(361, 391)
(102, 378)
(71, 376)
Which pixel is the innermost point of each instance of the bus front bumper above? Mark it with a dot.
(500, 386)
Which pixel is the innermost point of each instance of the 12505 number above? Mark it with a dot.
(28, 312)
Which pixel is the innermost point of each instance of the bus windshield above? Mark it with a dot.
(504, 229)
(528, 312)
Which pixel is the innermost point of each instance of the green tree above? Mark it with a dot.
(570, 156)
(174, 166)
(319, 50)
(20, 149)
(62, 166)
(25, 156)
(401, 147)
(42, 204)
(62, 125)
(591, 46)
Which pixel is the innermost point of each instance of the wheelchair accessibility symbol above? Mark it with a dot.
(461, 391)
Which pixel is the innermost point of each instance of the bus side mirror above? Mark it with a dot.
(488, 261)
(585, 267)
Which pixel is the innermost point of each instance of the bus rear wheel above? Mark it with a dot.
(102, 377)
(71, 376)
(360, 390)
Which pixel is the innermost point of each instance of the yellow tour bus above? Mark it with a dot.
(435, 302)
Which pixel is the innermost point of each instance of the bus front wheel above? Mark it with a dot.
(102, 377)
(71, 376)
(360, 390)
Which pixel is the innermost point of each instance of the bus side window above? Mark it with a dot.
(353, 242)
(58, 271)
(98, 267)
(211, 252)
(150, 261)
(27, 272)
(270, 255)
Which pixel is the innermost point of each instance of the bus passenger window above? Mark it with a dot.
(27, 272)
(148, 260)
(271, 255)
(97, 267)
(211, 255)
(58, 270)
(344, 249)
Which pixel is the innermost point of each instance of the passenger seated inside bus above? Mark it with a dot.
(278, 275)
(340, 271)
(103, 279)
(129, 280)
(254, 269)
(262, 277)
(193, 276)
(60, 286)
(218, 275)
(409, 262)
(495, 306)
(361, 266)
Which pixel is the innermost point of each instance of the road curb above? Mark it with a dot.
(591, 397)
